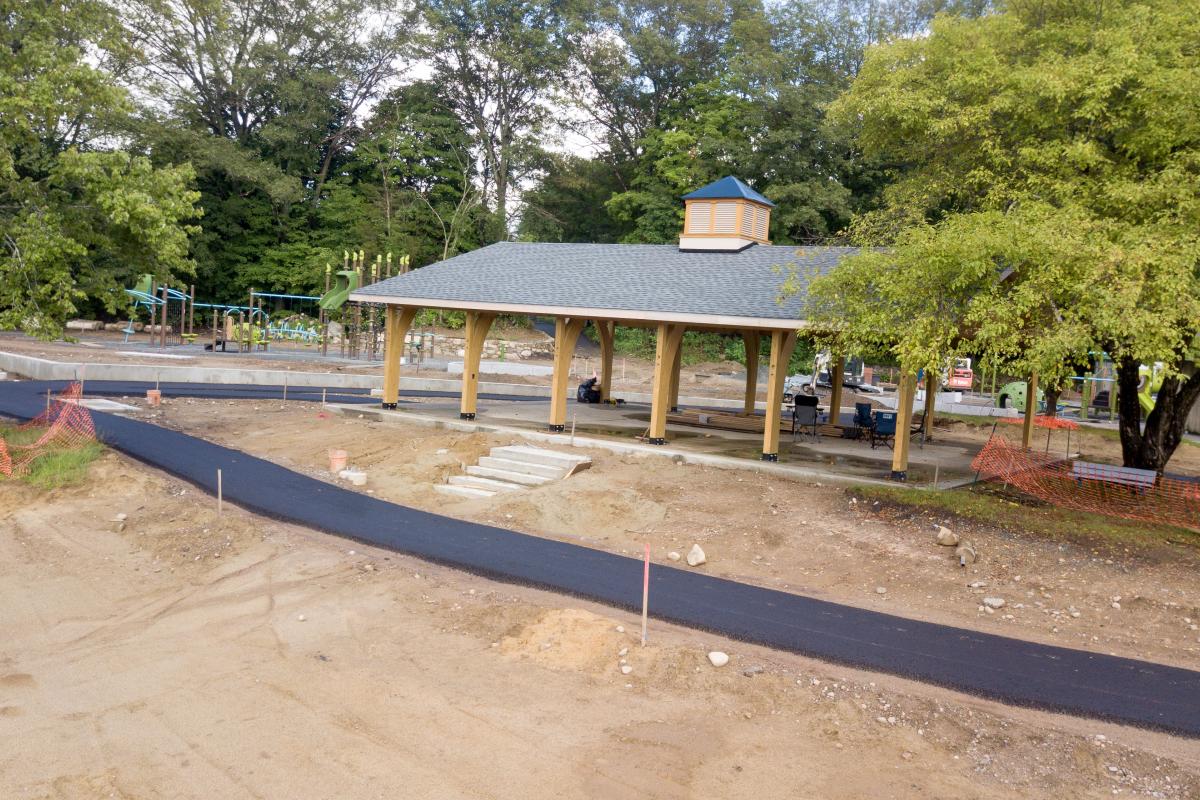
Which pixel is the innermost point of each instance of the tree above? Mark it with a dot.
(289, 78)
(636, 61)
(77, 223)
(265, 100)
(415, 165)
(567, 204)
(1049, 202)
(499, 59)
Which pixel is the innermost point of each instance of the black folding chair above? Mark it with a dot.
(804, 415)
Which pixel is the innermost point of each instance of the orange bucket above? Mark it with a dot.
(337, 460)
(153, 397)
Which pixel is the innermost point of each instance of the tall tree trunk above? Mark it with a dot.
(1051, 396)
(1152, 446)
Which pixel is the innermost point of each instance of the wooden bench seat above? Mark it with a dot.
(1138, 479)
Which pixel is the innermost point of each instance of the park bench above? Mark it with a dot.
(1137, 479)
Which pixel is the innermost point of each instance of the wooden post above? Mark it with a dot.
(478, 325)
(606, 328)
(1030, 411)
(752, 340)
(675, 366)
(397, 321)
(931, 389)
(837, 369)
(192, 309)
(566, 335)
(220, 494)
(669, 338)
(1112, 400)
(782, 344)
(904, 403)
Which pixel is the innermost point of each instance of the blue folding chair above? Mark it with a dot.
(863, 423)
(884, 431)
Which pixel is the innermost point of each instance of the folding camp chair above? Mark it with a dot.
(804, 415)
(804, 418)
(863, 423)
(884, 431)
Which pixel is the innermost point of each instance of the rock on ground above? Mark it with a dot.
(695, 556)
(718, 659)
(946, 537)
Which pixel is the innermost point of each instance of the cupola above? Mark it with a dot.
(725, 216)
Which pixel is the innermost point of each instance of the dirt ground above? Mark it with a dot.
(191, 655)
(777, 532)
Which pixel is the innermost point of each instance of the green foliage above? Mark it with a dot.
(567, 203)
(1049, 203)
(415, 175)
(686, 92)
(440, 318)
(700, 347)
(59, 468)
(76, 223)
(499, 60)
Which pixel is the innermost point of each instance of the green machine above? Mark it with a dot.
(1013, 395)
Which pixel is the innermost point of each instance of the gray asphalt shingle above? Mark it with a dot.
(627, 277)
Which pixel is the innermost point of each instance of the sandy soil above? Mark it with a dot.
(792, 535)
(195, 656)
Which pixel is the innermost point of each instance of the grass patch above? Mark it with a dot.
(56, 467)
(989, 505)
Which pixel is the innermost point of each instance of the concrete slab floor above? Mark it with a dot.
(842, 459)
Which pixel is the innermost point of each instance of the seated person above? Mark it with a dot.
(588, 392)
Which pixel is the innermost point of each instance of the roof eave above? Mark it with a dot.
(616, 314)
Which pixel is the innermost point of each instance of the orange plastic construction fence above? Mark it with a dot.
(1094, 488)
(1044, 421)
(64, 425)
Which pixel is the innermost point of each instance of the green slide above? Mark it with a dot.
(335, 298)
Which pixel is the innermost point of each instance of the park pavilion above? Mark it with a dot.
(724, 275)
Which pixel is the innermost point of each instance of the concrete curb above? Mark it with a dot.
(43, 369)
(620, 448)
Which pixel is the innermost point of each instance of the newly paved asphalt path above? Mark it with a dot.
(1011, 670)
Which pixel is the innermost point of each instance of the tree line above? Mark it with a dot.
(247, 143)
(1028, 171)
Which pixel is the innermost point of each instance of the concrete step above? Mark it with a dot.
(527, 467)
(462, 491)
(479, 482)
(538, 455)
(508, 476)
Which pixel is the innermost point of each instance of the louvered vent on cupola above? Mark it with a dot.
(726, 215)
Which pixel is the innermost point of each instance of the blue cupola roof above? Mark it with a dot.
(728, 188)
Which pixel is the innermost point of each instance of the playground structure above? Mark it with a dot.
(1097, 389)
(356, 327)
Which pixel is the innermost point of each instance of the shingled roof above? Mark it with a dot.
(658, 283)
(727, 188)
